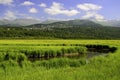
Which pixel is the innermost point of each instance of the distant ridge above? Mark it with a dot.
(64, 24)
(113, 23)
(18, 22)
(35, 22)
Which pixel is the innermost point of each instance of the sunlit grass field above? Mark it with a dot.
(111, 42)
(97, 68)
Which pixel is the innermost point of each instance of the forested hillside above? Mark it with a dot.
(74, 32)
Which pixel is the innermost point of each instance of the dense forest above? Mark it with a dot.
(74, 32)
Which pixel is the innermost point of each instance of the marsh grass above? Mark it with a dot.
(97, 68)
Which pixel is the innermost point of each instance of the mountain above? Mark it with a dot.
(72, 29)
(113, 23)
(4, 22)
(49, 21)
(57, 23)
(18, 22)
(77, 22)
(65, 24)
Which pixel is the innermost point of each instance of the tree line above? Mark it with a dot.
(74, 32)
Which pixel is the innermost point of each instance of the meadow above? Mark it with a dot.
(16, 63)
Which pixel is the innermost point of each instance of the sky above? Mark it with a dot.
(99, 10)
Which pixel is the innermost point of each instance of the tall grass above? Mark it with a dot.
(97, 68)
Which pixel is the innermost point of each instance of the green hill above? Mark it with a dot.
(73, 29)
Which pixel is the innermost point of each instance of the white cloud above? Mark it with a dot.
(94, 16)
(89, 6)
(43, 5)
(33, 10)
(58, 8)
(10, 15)
(6, 2)
(27, 3)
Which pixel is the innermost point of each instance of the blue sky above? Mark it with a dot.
(60, 9)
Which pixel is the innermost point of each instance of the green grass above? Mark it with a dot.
(97, 68)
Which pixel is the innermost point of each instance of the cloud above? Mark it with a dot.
(89, 6)
(58, 8)
(94, 16)
(43, 5)
(27, 3)
(10, 15)
(6, 2)
(33, 10)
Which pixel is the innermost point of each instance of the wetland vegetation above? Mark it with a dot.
(64, 59)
